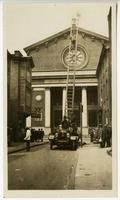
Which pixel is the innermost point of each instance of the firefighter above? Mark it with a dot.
(65, 123)
(108, 135)
(104, 134)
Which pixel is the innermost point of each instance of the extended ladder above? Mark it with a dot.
(70, 83)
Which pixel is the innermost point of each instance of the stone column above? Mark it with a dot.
(47, 108)
(84, 113)
(63, 102)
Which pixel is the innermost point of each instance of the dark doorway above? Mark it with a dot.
(57, 117)
(92, 118)
(56, 107)
(77, 102)
(77, 116)
(92, 96)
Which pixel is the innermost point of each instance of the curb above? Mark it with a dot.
(17, 150)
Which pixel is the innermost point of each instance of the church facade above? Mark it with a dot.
(49, 79)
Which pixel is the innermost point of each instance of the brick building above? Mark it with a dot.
(19, 93)
(104, 75)
(104, 88)
(49, 79)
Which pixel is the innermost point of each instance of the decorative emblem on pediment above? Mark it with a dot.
(37, 48)
(83, 35)
(46, 44)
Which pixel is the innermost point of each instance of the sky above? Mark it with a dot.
(27, 23)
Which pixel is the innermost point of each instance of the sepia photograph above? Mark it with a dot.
(60, 135)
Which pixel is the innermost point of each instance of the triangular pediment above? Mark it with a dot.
(64, 34)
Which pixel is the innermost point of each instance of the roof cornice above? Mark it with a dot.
(92, 34)
(20, 57)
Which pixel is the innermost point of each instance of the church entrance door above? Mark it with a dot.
(56, 107)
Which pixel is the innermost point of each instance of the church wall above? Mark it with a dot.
(47, 57)
(93, 48)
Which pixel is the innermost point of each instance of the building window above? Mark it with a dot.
(38, 117)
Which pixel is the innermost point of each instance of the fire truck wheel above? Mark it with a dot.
(73, 146)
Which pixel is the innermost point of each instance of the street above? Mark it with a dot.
(89, 168)
(42, 169)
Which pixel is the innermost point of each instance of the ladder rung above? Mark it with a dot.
(70, 94)
(70, 86)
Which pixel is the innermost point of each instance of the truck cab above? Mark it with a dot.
(62, 137)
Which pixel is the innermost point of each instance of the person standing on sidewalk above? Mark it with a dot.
(104, 133)
(27, 139)
(108, 135)
(91, 133)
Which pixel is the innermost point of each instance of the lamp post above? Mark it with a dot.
(81, 110)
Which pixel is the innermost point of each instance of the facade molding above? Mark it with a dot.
(64, 84)
(49, 74)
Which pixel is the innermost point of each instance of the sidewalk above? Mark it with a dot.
(16, 147)
(94, 168)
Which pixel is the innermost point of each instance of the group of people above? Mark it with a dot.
(33, 136)
(106, 137)
(37, 135)
(103, 135)
(70, 125)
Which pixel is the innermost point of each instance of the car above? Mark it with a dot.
(64, 137)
